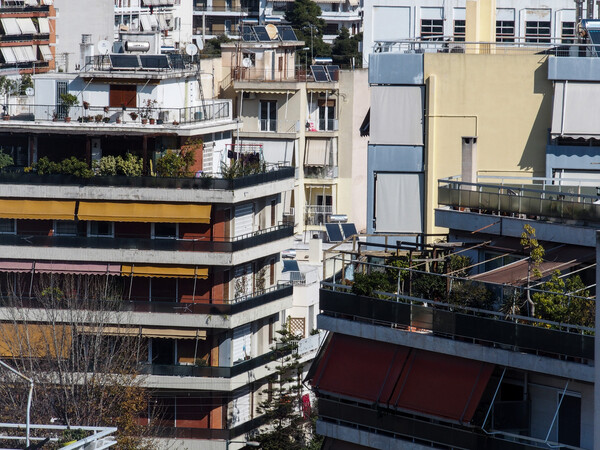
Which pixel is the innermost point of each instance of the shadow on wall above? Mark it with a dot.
(534, 153)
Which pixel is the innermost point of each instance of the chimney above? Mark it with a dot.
(315, 250)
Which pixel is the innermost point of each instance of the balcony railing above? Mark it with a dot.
(321, 172)
(317, 214)
(278, 174)
(212, 306)
(24, 37)
(542, 197)
(212, 111)
(202, 7)
(20, 8)
(234, 244)
(291, 74)
(177, 370)
(517, 333)
(203, 433)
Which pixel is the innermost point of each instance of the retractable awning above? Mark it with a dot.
(34, 341)
(46, 52)
(7, 265)
(26, 25)
(317, 152)
(77, 268)
(44, 25)
(149, 332)
(11, 26)
(144, 212)
(164, 271)
(37, 209)
(403, 378)
(575, 110)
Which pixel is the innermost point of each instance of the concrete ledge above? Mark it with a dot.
(506, 358)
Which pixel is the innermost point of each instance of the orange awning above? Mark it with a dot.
(34, 340)
(142, 270)
(144, 212)
(149, 332)
(37, 209)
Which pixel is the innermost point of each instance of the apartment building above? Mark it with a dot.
(534, 22)
(197, 259)
(27, 36)
(307, 120)
(214, 18)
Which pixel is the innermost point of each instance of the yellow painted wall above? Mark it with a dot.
(504, 100)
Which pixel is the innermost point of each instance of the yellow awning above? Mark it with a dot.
(144, 212)
(37, 209)
(141, 270)
(149, 332)
(34, 340)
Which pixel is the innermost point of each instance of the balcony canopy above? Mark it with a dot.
(164, 271)
(144, 212)
(148, 332)
(402, 378)
(576, 110)
(37, 209)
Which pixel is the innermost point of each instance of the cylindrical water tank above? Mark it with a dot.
(133, 46)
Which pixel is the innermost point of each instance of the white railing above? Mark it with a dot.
(310, 343)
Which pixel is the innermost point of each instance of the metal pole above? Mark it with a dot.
(29, 397)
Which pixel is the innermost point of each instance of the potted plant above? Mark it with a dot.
(98, 118)
(68, 101)
(147, 110)
(133, 115)
(54, 116)
(106, 119)
(118, 119)
(86, 105)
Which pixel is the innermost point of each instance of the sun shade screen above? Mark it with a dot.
(44, 25)
(35, 341)
(10, 26)
(8, 54)
(317, 152)
(163, 271)
(400, 377)
(148, 332)
(398, 202)
(576, 110)
(37, 209)
(398, 118)
(7, 265)
(144, 212)
(82, 268)
(46, 52)
(26, 25)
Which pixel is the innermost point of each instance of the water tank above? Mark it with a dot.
(132, 46)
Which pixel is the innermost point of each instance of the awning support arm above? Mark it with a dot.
(557, 411)
(493, 399)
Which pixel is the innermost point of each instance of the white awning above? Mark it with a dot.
(162, 22)
(398, 118)
(26, 25)
(31, 53)
(10, 26)
(576, 110)
(145, 23)
(24, 54)
(318, 152)
(46, 52)
(44, 25)
(153, 21)
(275, 151)
(8, 54)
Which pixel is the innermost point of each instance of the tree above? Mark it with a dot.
(565, 301)
(536, 256)
(345, 47)
(286, 428)
(67, 334)
(309, 27)
(212, 47)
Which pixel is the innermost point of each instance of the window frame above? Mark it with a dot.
(570, 38)
(14, 226)
(432, 29)
(89, 229)
(57, 232)
(537, 37)
(459, 30)
(501, 34)
(268, 124)
(154, 236)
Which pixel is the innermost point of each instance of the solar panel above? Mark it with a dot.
(349, 229)
(319, 73)
(247, 34)
(289, 265)
(261, 34)
(333, 72)
(286, 33)
(154, 61)
(124, 61)
(333, 232)
(176, 61)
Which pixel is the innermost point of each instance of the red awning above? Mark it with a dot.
(77, 268)
(12, 265)
(400, 377)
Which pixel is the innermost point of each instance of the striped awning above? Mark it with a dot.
(144, 212)
(142, 270)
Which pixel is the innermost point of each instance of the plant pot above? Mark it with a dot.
(144, 121)
(5, 117)
(152, 121)
(160, 122)
(67, 119)
(175, 122)
(118, 120)
(106, 120)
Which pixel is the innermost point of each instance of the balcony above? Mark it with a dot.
(210, 434)
(116, 119)
(317, 214)
(544, 198)
(24, 37)
(200, 8)
(321, 172)
(205, 183)
(15, 7)
(234, 244)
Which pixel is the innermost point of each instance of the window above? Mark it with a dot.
(8, 226)
(65, 228)
(326, 115)
(251, 57)
(505, 31)
(101, 229)
(331, 28)
(165, 231)
(460, 30)
(567, 32)
(122, 95)
(432, 29)
(537, 32)
(268, 115)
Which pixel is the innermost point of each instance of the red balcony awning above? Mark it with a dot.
(83, 268)
(403, 378)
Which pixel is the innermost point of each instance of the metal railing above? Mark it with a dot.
(317, 214)
(212, 110)
(298, 278)
(520, 45)
(208, 182)
(544, 197)
(291, 74)
(225, 245)
(321, 172)
(24, 37)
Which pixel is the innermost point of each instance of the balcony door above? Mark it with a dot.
(122, 96)
(268, 115)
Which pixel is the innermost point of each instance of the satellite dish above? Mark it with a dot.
(104, 47)
(191, 49)
(272, 31)
(29, 92)
(247, 62)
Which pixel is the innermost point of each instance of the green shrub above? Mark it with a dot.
(176, 163)
(105, 166)
(131, 165)
(366, 283)
(75, 167)
(5, 160)
(46, 167)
